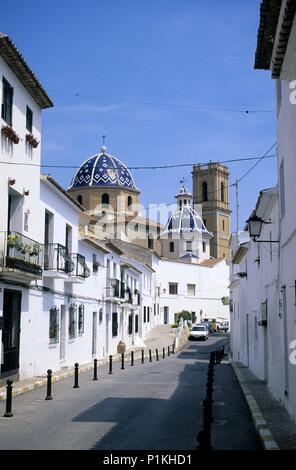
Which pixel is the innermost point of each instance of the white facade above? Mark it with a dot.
(196, 288)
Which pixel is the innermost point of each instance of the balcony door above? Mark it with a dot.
(63, 333)
(11, 332)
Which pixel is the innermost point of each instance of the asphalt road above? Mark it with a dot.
(149, 406)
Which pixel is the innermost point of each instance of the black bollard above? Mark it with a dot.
(150, 356)
(110, 364)
(8, 413)
(168, 350)
(156, 352)
(142, 361)
(48, 392)
(122, 361)
(95, 369)
(76, 371)
(132, 358)
(163, 353)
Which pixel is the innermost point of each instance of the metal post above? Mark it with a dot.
(110, 364)
(168, 350)
(95, 369)
(48, 392)
(142, 361)
(173, 349)
(150, 356)
(163, 353)
(8, 413)
(156, 351)
(122, 361)
(76, 370)
(132, 358)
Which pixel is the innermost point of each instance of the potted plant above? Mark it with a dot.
(10, 134)
(32, 140)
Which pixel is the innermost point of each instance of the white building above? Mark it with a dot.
(22, 98)
(271, 286)
(256, 325)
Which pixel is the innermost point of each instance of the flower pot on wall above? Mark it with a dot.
(121, 347)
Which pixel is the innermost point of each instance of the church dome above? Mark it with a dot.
(103, 170)
(186, 220)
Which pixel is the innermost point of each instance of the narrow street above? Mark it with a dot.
(148, 406)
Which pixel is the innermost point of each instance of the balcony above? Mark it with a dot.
(114, 289)
(57, 261)
(80, 271)
(20, 257)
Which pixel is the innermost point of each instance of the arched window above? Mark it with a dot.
(204, 190)
(129, 201)
(79, 199)
(105, 198)
(222, 192)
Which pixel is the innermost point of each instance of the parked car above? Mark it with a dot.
(199, 331)
(223, 326)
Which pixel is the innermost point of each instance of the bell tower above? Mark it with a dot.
(210, 190)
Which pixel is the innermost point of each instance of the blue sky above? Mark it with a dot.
(185, 52)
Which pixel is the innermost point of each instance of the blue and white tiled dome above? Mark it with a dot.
(103, 170)
(186, 220)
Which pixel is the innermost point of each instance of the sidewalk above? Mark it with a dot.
(232, 428)
(158, 337)
(273, 414)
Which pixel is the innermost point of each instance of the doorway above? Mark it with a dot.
(94, 334)
(63, 334)
(165, 315)
(11, 332)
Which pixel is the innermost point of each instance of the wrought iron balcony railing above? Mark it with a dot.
(18, 252)
(57, 258)
(80, 267)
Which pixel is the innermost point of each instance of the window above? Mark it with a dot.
(130, 324)
(222, 192)
(79, 199)
(180, 203)
(72, 322)
(255, 328)
(173, 288)
(191, 290)
(95, 263)
(150, 242)
(154, 309)
(205, 222)
(105, 198)
(81, 319)
(145, 315)
(136, 227)
(136, 323)
(7, 100)
(101, 315)
(114, 324)
(29, 119)
(54, 325)
(188, 246)
(148, 314)
(172, 247)
(223, 225)
(129, 201)
(204, 247)
(204, 191)
(282, 189)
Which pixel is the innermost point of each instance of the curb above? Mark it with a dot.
(260, 423)
(42, 382)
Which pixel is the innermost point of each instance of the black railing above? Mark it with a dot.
(113, 288)
(57, 258)
(80, 267)
(18, 252)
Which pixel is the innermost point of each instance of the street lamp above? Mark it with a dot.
(255, 226)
